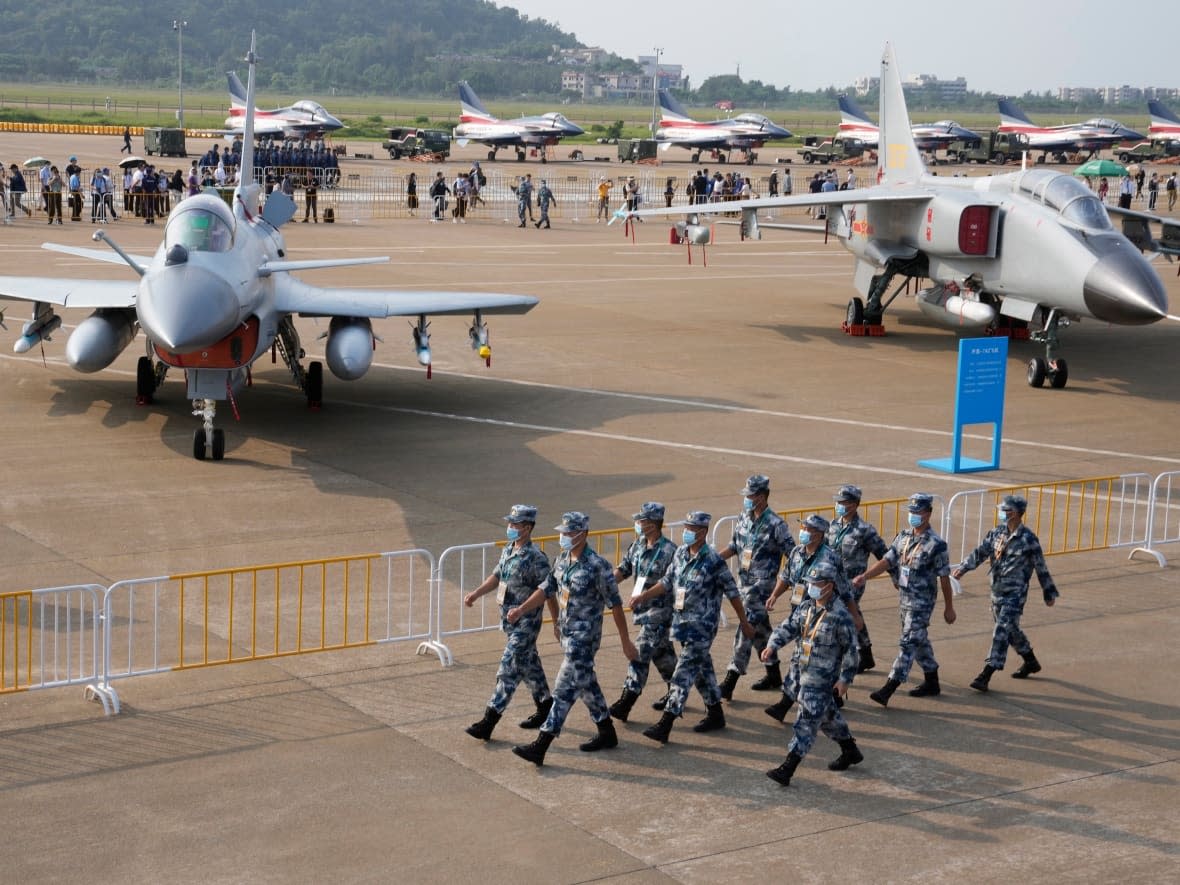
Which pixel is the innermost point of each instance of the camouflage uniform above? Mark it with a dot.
(852, 540)
(831, 658)
(921, 561)
(521, 570)
(761, 544)
(1012, 557)
(584, 588)
(701, 581)
(653, 618)
(524, 198)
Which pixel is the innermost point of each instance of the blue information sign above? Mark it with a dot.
(979, 399)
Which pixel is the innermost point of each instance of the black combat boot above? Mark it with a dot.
(621, 708)
(729, 684)
(867, 661)
(849, 755)
(535, 752)
(661, 702)
(779, 710)
(714, 719)
(885, 692)
(783, 773)
(604, 740)
(483, 729)
(1031, 665)
(929, 687)
(980, 681)
(772, 681)
(661, 730)
(538, 718)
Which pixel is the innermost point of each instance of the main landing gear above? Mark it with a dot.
(1052, 367)
(207, 437)
(149, 375)
(311, 381)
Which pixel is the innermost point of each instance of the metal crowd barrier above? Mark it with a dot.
(1163, 518)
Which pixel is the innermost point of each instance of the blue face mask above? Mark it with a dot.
(804, 537)
(689, 537)
(638, 529)
(747, 504)
(815, 591)
(916, 519)
(512, 533)
(1001, 516)
(841, 510)
(566, 541)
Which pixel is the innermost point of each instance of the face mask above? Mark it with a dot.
(815, 591)
(1001, 516)
(804, 537)
(638, 529)
(841, 510)
(747, 504)
(512, 533)
(915, 519)
(566, 541)
(689, 537)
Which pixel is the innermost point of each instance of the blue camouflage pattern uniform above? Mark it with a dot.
(763, 541)
(921, 560)
(654, 618)
(701, 580)
(794, 574)
(852, 542)
(1012, 558)
(521, 570)
(544, 198)
(825, 653)
(584, 588)
(524, 199)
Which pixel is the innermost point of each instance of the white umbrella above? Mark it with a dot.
(36, 162)
(132, 161)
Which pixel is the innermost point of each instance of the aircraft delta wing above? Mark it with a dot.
(218, 294)
(1059, 259)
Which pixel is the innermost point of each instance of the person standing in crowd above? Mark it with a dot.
(54, 188)
(1153, 191)
(631, 193)
(762, 539)
(647, 560)
(1126, 191)
(523, 568)
(17, 188)
(772, 184)
(697, 579)
(44, 174)
(583, 584)
(669, 192)
(459, 189)
(412, 194)
(604, 186)
(827, 661)
(1012, 553)
(98, 208)
(852, 540)
(544, 198)
(1170, 187)
(524, 198)
(311, 198)
(74, 184)
(920, 557)
(475, 181)
(438, 196)
(109, 193)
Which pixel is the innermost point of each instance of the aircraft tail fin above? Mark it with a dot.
(898, 159)
(471, 108)
(237, 92)
(246, 193)
(851, 112)
(1011, 115)
(1161, 114)
(671, 109)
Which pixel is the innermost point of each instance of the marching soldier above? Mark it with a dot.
(852, 540)
(1013, 553)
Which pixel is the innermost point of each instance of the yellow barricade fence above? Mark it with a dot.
(16, 641)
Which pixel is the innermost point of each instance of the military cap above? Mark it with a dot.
(817, 522)
(756, 485)
(573, 522)
(1014, 502)
(522, 513)
(652, 510)
(698, 519)
(848, 493)
(822, 571)
(921, 502)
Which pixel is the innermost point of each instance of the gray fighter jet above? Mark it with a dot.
(218, 294)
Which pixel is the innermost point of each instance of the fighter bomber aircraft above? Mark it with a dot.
(928, 136)
(742, 133)
(304, 118)
(477, 124)
(1089, 136)
(1035, 245)
(218, 294)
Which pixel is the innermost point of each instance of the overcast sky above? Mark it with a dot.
(1003, 46)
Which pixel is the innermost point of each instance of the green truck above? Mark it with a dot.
(993, 147)
(831, 150)
(164, 142)
(1147, 151)
(632, 150)
(411, 142)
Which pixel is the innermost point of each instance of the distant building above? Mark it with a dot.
(627, 86)
(668, 76)
(949, 89)
(1117, 94)
(865, 85)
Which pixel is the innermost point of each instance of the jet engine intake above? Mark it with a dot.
(951, 226)
(349, 351)
(100, 338)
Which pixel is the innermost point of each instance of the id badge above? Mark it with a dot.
(747, 557)
(903, 577)
(804, 652)
(638, 588)
(563, 598)
(501, 595)
(681, 593)
(797, 595)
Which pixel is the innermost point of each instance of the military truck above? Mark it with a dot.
(1147, 151)
(635, 149)
(993, 147)
(163, 141)
(410, 142)
(831, 150)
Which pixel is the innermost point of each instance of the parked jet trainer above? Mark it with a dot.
(218, 294)
(304, 118)
(1034, 246)
(743, 132)
(477, 124)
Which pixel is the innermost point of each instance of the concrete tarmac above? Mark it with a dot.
(638, 377)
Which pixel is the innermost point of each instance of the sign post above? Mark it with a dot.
(979, 399)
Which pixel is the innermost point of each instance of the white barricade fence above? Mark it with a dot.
(460, 570)
(1163, 523)
(53, 637)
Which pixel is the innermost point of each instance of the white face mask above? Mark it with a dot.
(689, 536)
(638, 529)
(747, 504)
(815, 591)
(1001, 516)
(566, 541)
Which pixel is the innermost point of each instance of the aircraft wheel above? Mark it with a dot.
(696, 158)
(145, 381)
(1058, 374)
(199, 443)
(1037, 369)
(721, 158)
(856, 312)
(315, 384)
(491, 155)
(218, 444)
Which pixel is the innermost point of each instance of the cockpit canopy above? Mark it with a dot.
(1066, 194)
(200, 225)
(312, 108)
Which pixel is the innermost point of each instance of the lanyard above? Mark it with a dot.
(642, 573)
(811, 614)
(914, 543)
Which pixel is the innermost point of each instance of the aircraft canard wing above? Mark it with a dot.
(88, 294)
(104, 255)
(295, 296)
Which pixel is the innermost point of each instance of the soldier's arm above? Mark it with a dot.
(491, 582)
(875, 569)
(780, 587)
(848, 663)
(536, 598)
(948, 613)
(1048, 587)
(620, 619)
(975, 557)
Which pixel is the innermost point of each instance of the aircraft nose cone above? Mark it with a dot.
(185, 308)
(573, 129)
(1123, 288)
(1131, 135)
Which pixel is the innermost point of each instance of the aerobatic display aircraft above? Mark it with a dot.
(743, 132)
(478, 125)
(1034, 246)
(218, 294)
(928, 136)
(1089, 136)
(1165, 125)
(302, 119)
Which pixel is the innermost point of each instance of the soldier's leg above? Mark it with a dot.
(664, 656)
(566, 689)
(741, 653)
(645, 647)
(812, 709)
(533, 675)
(706, 681)
(682, 679)
(834, 725)
(512, 666)
(905, 650)
(1007, 614)
(920, 637)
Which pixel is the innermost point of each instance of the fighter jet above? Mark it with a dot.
(741, 133)
(477, 124)
(304, 118)
(1165, 125)
(1034, 246)
(218, 294)
(1090, 136)
(928, 136)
